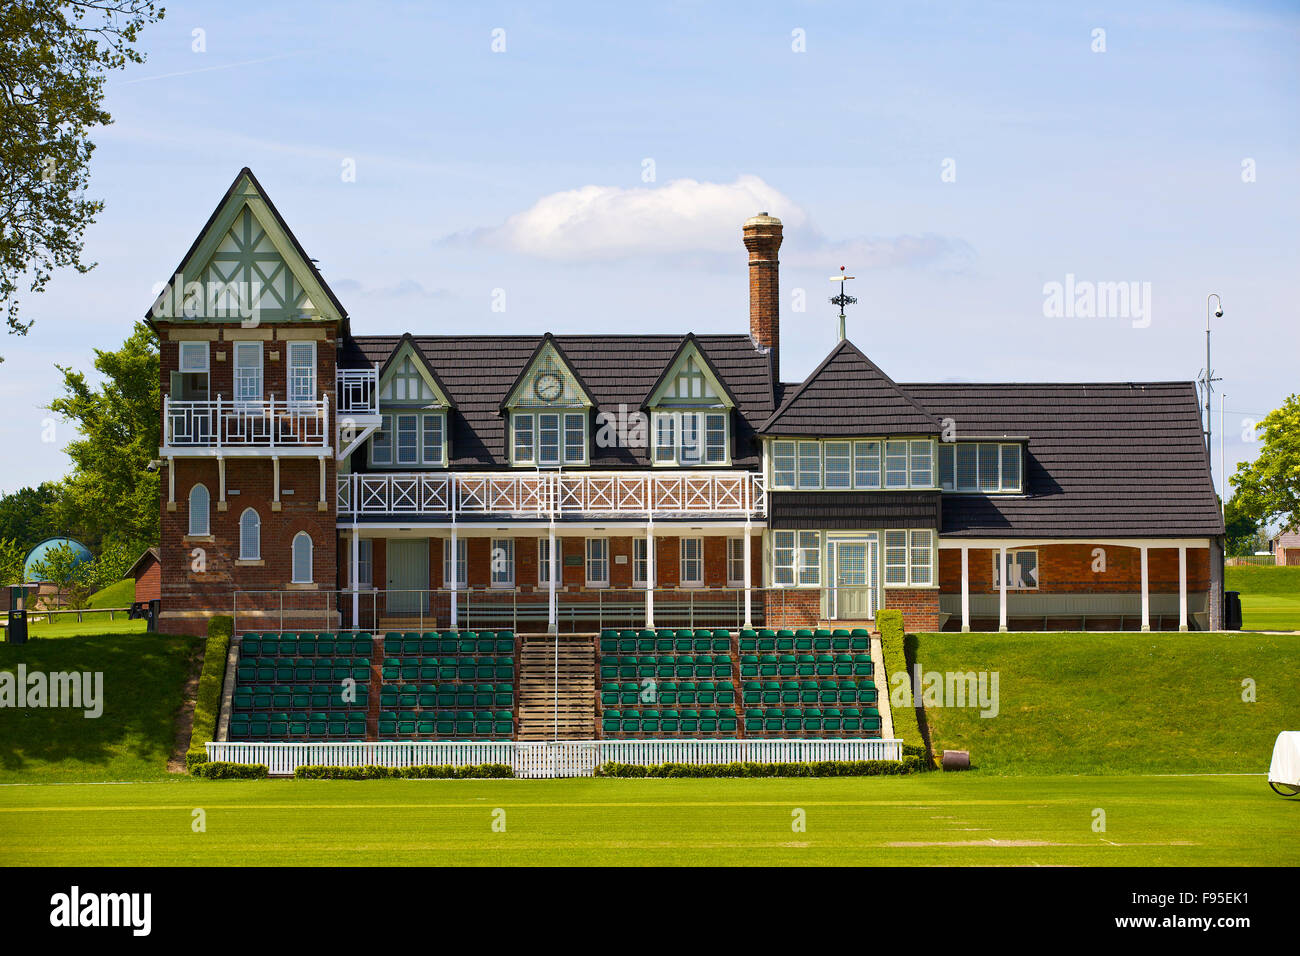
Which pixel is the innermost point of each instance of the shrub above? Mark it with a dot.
(207, 701)
(421, 772)
(820, 768)
(224, 770)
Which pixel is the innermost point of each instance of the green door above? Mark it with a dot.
(407, 572)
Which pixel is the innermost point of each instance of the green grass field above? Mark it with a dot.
(934, 819)
(121, 594)
(144, 678)
(1118, 703)
(1270, 596)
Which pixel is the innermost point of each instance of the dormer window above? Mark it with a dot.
(547, 411)
(981, 467)
(548, 439)
(690, 412)
(413, 414)
(691, 438)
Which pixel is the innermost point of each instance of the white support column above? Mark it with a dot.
(221, 484)
(1146, 593)
(650, 573)
(1002, 588)
(965, 588)
(749, 584)
(1182, 588)
(552, 608)
(171, 483)
(275, 483)
(453, 577)
(353, 575)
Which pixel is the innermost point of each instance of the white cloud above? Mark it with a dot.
(609, 222)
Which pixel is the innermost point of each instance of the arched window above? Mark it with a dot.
(199, 511)
(302, 558)
(250, 536)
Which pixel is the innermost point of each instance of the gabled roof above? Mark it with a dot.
(247, 173)
(846, 395)
(409, 339)
(689, 341)
(547, 339)
(1111, 459)
(149, 553)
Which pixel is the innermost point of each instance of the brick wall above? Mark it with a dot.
(920, 607)
(1066, 568)
(793, 608)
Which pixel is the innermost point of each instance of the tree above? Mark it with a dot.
(62, 567)
(28, 514)
(1268, 488)
(1243, 531)
(12, 556)
(111, 495)
(53, 61)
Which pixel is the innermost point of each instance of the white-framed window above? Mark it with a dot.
(986, 467)
(250, 535)
(736, 562)
(248, 371)
(410, 438)
(302, 553)
(922, 463)
(190, 382)
(690, 438)
(1022, 570)
(866, 464)
(598, 562)
(796, 558)
(302, 372)
(783, 463)
(200, 502)
(640, 562)
(544, 564)
(575, 438)
(922, 558)
(503, 562)
(462, 566)
(365, 563)
(896, 557)
(524, 451)
(549, 438)
(837, 465)
(692, 562)
(810, 464)
(895, 464)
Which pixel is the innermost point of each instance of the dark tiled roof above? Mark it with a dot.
(1117, 460)
(848, 394)
(479, 370)
(852, 510)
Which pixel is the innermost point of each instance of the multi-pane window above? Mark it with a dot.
(503, 562)
(462, 576)
(250, 535)
(692, 562)
(365, 563)
(922, 557)
(989, 467)
(896, 557)
(544, 561)
(691, 438)
(524, 450)
(783, 551)
(409, 438)
(248, 371)
(302, 372)
(736, 562)
(301, 558)
(640, 564)
(796, 558)
(549, 438)
(842, 464)
(1022, 570)
(199, 505)
(909, 557)
(575, 438)
(597, 562)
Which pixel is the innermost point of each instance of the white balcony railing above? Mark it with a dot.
(542, 494)
(223, 423)
(358, 391)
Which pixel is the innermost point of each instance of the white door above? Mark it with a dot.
(852, 593)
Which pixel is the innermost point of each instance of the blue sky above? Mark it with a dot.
(525, 171)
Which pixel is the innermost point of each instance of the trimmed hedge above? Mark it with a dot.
(223, 770)
(421, 772)
(893, 645)
(820, 768)
(207, 703)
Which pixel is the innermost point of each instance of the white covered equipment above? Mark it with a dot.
(1284, 771)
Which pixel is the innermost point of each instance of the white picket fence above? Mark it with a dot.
(566, 758)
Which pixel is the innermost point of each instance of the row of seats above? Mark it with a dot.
(804, 641)
(301, 670)
(805, 665)
(448, 669)
(298, 697)
(446, 724)
(449, 643)
(770, 693)
(458, 696)
(307, 726)
(797, 720)
(306, 645)
(680, 666)
(668, 721)
(668, 693)
(665, 642)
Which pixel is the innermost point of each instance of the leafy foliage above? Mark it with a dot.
(1244, 534)
(27, 515)
(53, 61)
(1268, 488)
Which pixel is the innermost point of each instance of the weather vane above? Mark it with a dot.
(843, 298)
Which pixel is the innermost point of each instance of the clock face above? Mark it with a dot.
(547, 386)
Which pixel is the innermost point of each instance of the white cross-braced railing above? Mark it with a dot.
(539, 494)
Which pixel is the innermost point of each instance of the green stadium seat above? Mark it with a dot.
(812, 719)
(610, 722)
(690, 722)
(670, 722)
(753, 721)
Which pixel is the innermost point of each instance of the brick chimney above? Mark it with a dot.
(763, 239)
